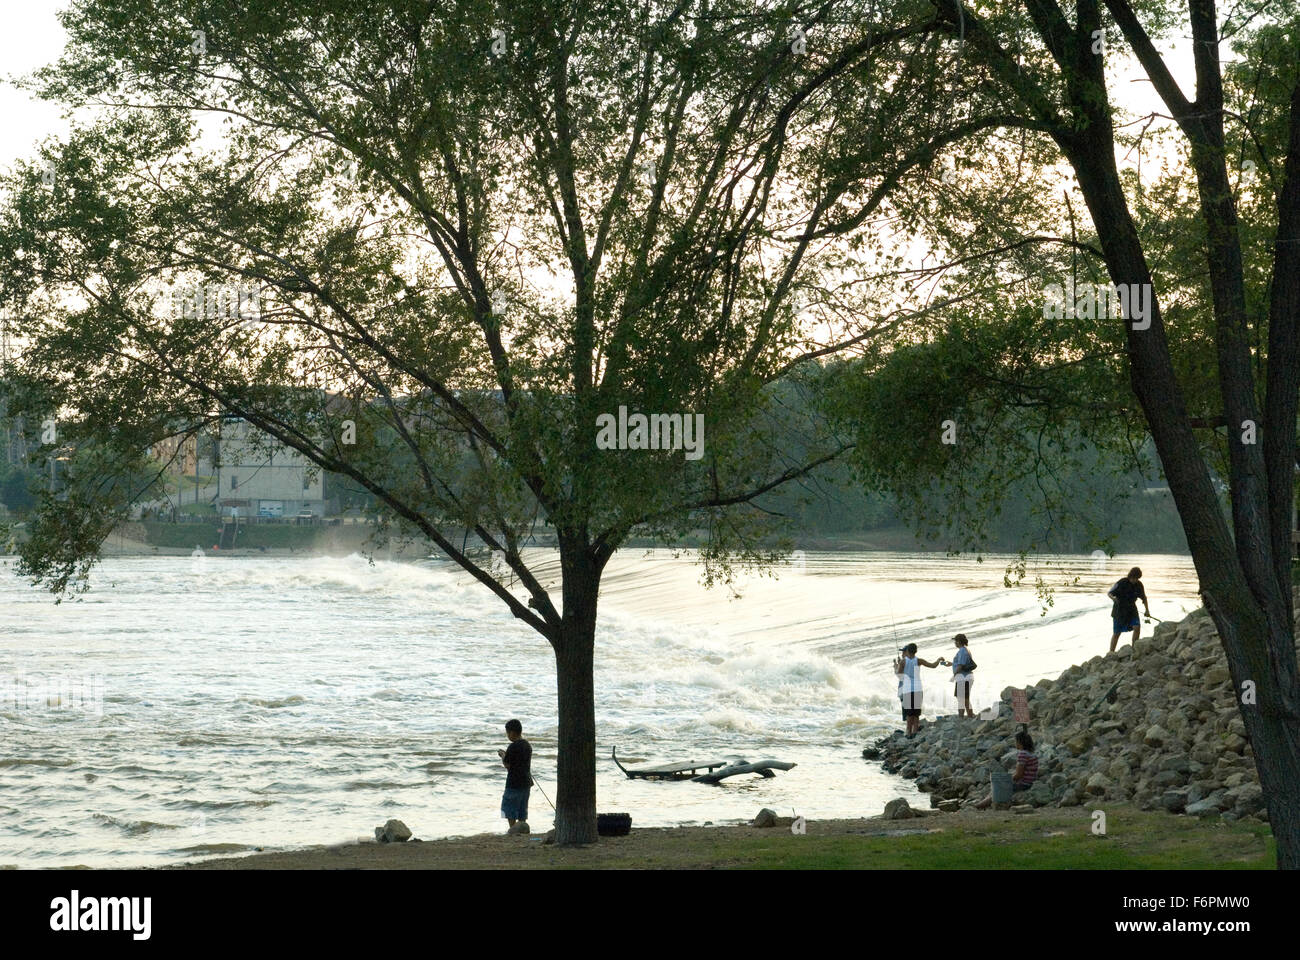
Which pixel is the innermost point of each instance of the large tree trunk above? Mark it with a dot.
(575, 797)
(1271, 726)
(1241, 593)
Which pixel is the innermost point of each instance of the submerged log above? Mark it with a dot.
(762, 768)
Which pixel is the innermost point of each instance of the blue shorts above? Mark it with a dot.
(1124, 624)
(514, 803)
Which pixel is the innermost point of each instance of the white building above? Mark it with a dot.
(259, 477)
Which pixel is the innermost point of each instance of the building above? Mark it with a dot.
(260, 478)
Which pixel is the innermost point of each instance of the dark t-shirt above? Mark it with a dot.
(518, 759)
(1126, 597)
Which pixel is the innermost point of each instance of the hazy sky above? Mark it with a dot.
(32, 37)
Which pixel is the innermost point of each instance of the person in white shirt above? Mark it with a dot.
(907, 668)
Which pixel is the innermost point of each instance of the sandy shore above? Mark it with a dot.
(1044, 838)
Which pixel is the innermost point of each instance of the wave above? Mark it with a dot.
(218, 804)
(133, 828)
(215, 848)
(274, 703)
(380, 785)
(34, 762)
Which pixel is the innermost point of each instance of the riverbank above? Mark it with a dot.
(1047, 839)
(1158, 727)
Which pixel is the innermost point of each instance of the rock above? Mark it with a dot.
(765, 818)
(519, 828)
(1021, 808)
(870, 753)
(898, 809)
(1176, 762)
(1079, 745)
(1039, 795)
(549, 839)
(1205, 754)
(1209, 807)
(949, 806)
(1156, 736)
(394, 831)
(1247, 799)
(1216, 675)
(1175, 801)
(1167, 779)
(1098, 783)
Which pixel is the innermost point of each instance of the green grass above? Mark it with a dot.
(1135, 840)
(251, 536)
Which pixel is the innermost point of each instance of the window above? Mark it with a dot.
(234, 483)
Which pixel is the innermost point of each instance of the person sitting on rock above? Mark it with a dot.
(907, 667)
(1026, 768)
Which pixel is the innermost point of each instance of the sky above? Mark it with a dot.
(33, 37)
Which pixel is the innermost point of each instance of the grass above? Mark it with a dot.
(1135, 840)
(1048, 839)
(251, 536)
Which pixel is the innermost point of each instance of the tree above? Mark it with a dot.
(462, 237)
(1232, 367)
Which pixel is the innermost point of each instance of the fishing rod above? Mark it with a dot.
(542, 792)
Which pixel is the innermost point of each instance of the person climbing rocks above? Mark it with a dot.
(1124, 611)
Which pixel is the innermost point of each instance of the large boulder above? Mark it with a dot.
(394, 831)
(1209, 807)
(898, 809)
(766, 818)
(1247, 799)
(1175, 801)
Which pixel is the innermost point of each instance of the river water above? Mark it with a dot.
(189, 707)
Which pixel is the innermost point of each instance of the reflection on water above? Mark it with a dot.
(191, 708)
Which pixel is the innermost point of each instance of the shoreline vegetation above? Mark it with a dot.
(1151, 741)
(155, 538)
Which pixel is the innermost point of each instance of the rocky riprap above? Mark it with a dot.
(1159, 729)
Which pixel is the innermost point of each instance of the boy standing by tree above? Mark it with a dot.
(517, 759)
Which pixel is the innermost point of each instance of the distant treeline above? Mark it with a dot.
(1139, 520)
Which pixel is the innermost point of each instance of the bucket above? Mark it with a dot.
(1002, 787)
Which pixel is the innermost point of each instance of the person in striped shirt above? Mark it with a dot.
(1026, 767)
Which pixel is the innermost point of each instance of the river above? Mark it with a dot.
(190, 707)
